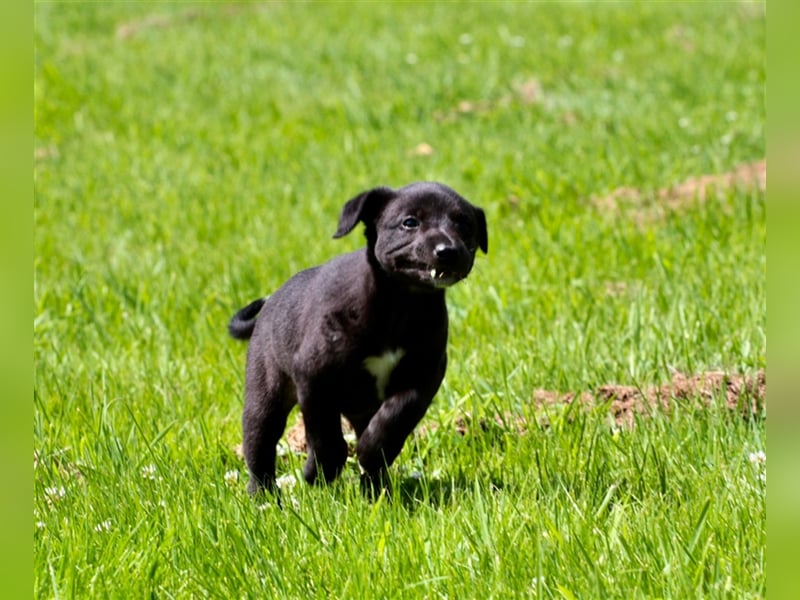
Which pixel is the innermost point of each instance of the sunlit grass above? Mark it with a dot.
(191, 158)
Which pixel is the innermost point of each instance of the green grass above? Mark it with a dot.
(190, 158)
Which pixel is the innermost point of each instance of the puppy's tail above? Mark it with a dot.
(243, 322)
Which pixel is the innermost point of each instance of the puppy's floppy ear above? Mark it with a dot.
(364, 208)
(483, 237)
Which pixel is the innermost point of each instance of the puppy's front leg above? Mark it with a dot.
(383, 439)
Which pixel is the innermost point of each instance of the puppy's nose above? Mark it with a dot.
(445, 252)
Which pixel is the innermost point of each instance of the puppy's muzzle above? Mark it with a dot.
(445, 253)
(451, 264)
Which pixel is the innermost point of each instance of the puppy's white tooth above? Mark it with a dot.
(433, 273)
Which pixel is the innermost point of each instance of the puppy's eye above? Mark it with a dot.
(410, 223)
(464, 226)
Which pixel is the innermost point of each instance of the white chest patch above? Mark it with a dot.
(381, 368)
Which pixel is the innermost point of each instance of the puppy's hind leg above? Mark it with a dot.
(327, 450)
(268, 401)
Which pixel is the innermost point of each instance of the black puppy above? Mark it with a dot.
(363, 335)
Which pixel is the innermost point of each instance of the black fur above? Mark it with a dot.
(243, 322)
(362, 336)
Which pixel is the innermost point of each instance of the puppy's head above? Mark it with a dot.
(424, 234)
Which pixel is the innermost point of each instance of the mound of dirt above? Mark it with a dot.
(746, 396)
(651, 205)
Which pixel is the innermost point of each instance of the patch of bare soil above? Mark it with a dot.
(699, 188)
(742, 395)
(131, 29)
(525, 93)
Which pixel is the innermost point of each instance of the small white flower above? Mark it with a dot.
(232, 477)
(149, 472)
(759, 457)
(104, 526)
(415, 474)
(40, 524)
(286, 481)
(54, 494)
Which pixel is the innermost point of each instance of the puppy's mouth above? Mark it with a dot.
(441, 278)
(430, 275)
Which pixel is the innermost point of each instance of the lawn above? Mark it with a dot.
(191, 157)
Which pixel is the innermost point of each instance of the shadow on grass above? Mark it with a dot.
(414, 492)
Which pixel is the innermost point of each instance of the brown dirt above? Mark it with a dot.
(700, 188)
(526, 93)
(743, 395)
(153, 21)
(131, 29)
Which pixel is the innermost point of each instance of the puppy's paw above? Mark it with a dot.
(373, 485)
(256, 487)
(324, 465)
